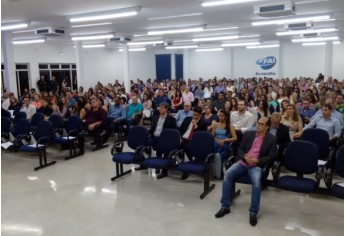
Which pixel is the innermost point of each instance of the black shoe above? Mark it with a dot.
(222, 212)
(184, 176)
(161, 175)
(140, 168)
(157, 171)
(252, 219)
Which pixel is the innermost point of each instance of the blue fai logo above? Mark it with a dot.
(267, 62)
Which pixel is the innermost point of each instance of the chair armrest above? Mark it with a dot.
(209, 159)
(177, 157)
(73, 132)
(229, 162)
(57, 132)
(117, 148)
(319, 174)
(42, 140)
(21, 137)
(276, 170)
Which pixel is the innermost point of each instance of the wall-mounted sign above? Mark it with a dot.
(266, 63)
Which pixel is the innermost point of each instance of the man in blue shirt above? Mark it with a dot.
(306, 111)
(334, 113)
(181, 114)
(116, 115)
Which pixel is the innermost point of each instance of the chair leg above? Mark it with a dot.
(207, 187)
(72, 150)
(99, 143)
(43, 160)
(119, 172)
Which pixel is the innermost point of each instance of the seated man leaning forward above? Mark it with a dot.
(256, 149)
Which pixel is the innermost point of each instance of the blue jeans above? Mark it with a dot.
(236, 170)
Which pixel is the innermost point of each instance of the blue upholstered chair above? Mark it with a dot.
(337, 189)
(301, 158)
(19, 115)
(168, 143)
(137, 141)
(5, 129)
(56, 121)
(73, 127)
(202, 149)
(42, 137)
(35, 119)
(326, 154)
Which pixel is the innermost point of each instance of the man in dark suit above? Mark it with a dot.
(160, 122)
(189, 126)
(257, 148)
(282, 134)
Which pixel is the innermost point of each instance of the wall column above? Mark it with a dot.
(125, 58)
(328, 59)
(173, 66)
(185, 64)
(7, 48)
(80, 64)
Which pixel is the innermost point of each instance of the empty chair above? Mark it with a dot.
(202, 149)
(20, 132)
(137, 141)
(167, 145)
(56, 121)
(338, 188)
(301, 158)
(42, 136)
(320, 138)
(73, 128)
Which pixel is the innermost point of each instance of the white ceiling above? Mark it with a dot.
(44, 13)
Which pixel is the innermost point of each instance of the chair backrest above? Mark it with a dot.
(44, 129)
(168, 141)
(16, 110)
(22, 126)
(18, 116)
(74, 122)
(320, 138)
(56, 121)
(201, 145)
(36, 118)
(339, 164)
(301, 157)
(137, 136)
(5, 125)
(5, 113)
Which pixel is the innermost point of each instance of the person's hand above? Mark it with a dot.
(91, 126)
(221, 143)
(297, 135)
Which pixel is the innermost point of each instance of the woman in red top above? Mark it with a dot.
(177, 101)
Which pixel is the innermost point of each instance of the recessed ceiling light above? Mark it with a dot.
(209, 49)
(176, 16)
(181, 47)
(93, 46)
(177, 30)
(291, 20)
(90, 25)
(220, 29)
(225, 2)
(105, 15)
(29, 41)
(309, 31)
(314, 44)
(13, 26)
(229, 37)
(240, 44)
(320, 39)
(92, 37)
(263, 46)
(145, 43)
(134, 49)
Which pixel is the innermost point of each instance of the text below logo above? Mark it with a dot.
(266, 62)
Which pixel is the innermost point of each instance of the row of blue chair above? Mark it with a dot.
(169, 156)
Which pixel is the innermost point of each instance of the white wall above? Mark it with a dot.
(338, 62)
(105, 64)
(299, 60)
(209, 64)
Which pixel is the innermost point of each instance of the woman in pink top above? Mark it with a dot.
(187, 96)
(37, 101)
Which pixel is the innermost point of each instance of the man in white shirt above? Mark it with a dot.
(242, 119)
(29, 109)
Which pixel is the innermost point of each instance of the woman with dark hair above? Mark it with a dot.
(147, 107)
(78, 109)
(208, 117)
(263, 109)
(233, 105)
(224, 133)
(177, 101)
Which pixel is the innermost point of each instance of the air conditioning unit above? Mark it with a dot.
(275, 9)
(299, 26)
(311, 35)
(50, 31)
(120, 39)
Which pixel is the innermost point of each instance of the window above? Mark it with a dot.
(42, 66)
(54, 66)
(22, 78)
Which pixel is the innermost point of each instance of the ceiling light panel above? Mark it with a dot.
(145, 43)
(291, 20)
(94, 46)
(240, 44)
(220, 38)
(209, 49)
(92, 37)
(134, 49)
(182, 47)
(29, 41)
(13, 26)
(176, 16)
(314, 44)
(177, 30)
(310, 31)
(91, 25)
(105, 15)
(225, 2)
(263, 46)
(320, 39)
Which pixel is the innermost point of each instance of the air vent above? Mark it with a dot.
(299, 26)
(50, 31)
(275, 9)
(121, 39)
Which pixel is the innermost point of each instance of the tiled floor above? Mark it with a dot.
(76, 197)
